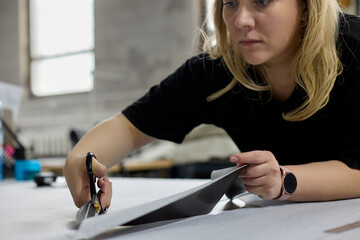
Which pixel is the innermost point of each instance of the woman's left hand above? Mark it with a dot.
(262, 176)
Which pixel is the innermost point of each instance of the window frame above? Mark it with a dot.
(31, 59)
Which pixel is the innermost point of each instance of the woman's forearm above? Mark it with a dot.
(111, 141)
(324, 181)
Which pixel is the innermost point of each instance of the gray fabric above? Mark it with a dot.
(235, 189)
(28, 212)
(279, 221)
(196, 201)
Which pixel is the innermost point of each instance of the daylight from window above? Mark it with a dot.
(209, 19)
(61, 46)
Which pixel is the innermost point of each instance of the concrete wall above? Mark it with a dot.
(9, 42)
(137, 44)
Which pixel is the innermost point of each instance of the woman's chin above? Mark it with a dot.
(254, 60)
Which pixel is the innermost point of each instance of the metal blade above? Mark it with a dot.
(86, 211)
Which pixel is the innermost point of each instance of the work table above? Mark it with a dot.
(31, 212)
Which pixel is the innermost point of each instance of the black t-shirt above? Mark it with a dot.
(173, 108)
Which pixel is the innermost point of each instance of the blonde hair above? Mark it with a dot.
(315, 66)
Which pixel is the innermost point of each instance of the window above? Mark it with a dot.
(61, 46)
(210, 19)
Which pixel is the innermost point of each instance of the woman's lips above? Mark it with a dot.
(249, 42)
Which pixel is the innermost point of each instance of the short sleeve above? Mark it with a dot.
(173, 108)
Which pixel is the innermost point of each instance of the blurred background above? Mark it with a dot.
(66, 65)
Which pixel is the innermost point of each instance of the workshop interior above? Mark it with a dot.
(67, 65)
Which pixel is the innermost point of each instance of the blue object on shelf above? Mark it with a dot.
(26, 169)
(1, 146)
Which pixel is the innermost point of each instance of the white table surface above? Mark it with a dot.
(30, 212)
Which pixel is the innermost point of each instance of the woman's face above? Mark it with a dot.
(264, 31)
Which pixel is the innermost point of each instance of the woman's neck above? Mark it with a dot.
(282, 85)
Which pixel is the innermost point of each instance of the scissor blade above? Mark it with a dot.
(87, 210)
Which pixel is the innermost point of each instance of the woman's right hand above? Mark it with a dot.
(78, 180)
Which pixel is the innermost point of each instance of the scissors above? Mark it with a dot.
(93, 207)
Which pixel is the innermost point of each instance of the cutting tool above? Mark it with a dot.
(93, 207)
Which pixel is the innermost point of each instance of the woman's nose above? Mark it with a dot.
(244, 18)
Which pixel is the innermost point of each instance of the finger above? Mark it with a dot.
(77, 180)
(266, 187)
(253, 171)
(253, 157)
(103, 184)
(254, 181)
(106, 191)
(98, 169)
(235, 159)
(81, 199)
(83, 194)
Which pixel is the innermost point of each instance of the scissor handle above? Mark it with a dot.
(92, 181)
(92, 178)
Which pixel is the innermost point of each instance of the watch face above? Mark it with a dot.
(290, 183)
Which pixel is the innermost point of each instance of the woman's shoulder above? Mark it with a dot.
(350, 26)
(213, 71)
(349, 40)
(205, 62)
(349, 53)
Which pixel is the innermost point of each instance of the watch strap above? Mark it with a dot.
(284, 195)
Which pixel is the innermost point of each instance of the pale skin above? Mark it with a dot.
(111, 141)
(264, 34)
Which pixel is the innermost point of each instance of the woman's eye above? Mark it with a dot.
(230, 4)
(262, 3)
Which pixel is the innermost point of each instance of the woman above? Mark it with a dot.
(283, 80)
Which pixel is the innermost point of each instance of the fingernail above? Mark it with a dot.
(234, 159)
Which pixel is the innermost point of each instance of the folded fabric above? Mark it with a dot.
(196, 201)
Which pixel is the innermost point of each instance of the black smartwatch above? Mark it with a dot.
(288, 184)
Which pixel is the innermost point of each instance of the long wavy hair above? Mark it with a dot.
(315, 65)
